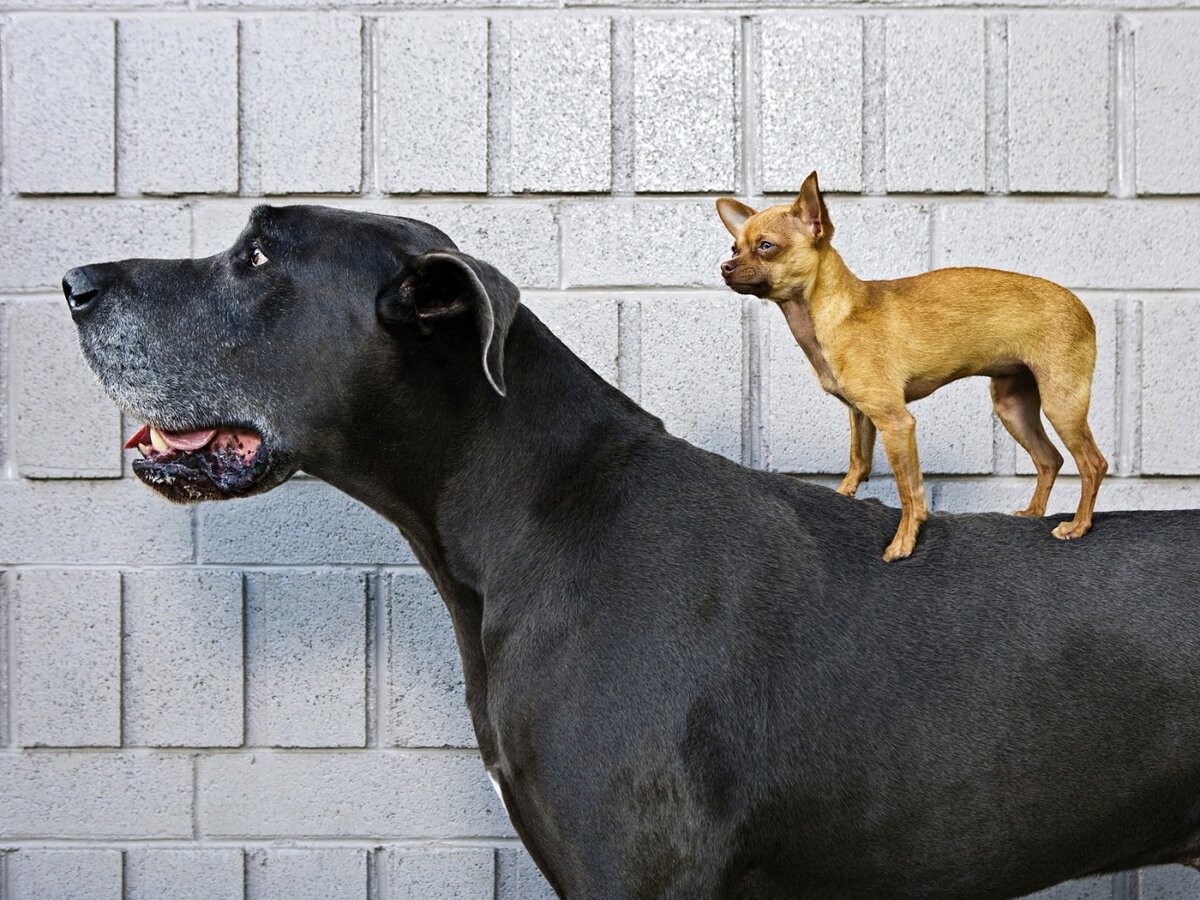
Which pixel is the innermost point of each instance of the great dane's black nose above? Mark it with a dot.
(82, 287)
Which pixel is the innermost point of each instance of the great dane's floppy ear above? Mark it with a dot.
(446, 283)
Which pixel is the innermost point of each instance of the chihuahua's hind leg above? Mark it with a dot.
(862, 453)
(1066, 407)
(1019, 406)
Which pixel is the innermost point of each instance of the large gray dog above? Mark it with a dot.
(690, 680)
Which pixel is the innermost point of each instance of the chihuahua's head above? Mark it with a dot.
(776, 252)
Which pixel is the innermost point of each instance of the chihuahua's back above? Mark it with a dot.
(967, 321)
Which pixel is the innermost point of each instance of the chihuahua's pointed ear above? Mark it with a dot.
(447, 283)
(734, 214)
(810, 209)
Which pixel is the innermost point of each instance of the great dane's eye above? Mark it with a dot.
(258, 258)
(765, 245)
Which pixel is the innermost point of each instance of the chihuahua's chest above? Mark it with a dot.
(801, 324)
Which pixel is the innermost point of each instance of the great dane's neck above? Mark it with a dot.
(470, 488)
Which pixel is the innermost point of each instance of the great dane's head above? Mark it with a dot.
(269, 357)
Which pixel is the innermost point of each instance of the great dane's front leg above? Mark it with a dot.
(862, 452)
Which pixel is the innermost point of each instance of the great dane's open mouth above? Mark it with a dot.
(200, 464)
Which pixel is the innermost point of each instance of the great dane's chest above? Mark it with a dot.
(804, 330)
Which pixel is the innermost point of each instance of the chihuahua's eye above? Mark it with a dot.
(733, 249)
(765, 245)
(258, 258)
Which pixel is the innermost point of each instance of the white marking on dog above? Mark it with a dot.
(496, 785)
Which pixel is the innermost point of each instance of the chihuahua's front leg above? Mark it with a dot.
(899, 431)
(862, 453)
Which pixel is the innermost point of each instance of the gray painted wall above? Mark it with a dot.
(262, 699)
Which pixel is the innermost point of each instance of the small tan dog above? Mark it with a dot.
(878, 344)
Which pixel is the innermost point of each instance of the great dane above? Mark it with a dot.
(690, 679)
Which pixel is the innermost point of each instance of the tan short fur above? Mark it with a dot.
(879, 344)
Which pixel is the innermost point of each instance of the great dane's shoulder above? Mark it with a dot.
(689, 679)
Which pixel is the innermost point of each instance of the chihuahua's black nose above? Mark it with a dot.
(728, 266)
(82, 287)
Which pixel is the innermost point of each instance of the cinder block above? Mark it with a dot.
(999, 494)
(302, 104)
(301, 523)
(42, 239)
(90, 522)
(60, 117)
(1169, 883)
(654, 243)
(216, 224)
(439, 5)
(64, 875)
(433, 104)
(68, 658)
(91, 4)
(518, 237)
(685, 114)
(306, 659)
(62, 423)
(6, 449)
(812, 71)
(339, 874)
(1072, 242)
(1058, 114)
(561, 104)
(1170, 384)
(517, 878)
(184, 874)
(426, 697)
(178, 127)
(183, 658)
(954, 430)
(1084, 889)
(1138, 493)
(881, 239)
(587, 325)
(440, 874)
(95, 796)
(6, 604)
(1102, 417)
(373, 795)
(808, 430)
(691, 369)
(1167, 54)
(935, 103)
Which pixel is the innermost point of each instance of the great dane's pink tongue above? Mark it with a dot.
(176, 440)
(188, 440)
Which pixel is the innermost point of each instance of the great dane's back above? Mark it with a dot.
(689, 679)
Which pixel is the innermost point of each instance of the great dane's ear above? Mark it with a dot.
(447, 283)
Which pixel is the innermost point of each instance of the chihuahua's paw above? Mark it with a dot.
(1069, 531)
(1030, 512)
(847, 490)
(898, 549)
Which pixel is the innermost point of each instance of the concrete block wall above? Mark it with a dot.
(262, 699)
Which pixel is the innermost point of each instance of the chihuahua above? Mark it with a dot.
(876, 345)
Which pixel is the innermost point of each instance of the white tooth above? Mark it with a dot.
(144, 449)
(157, 440)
